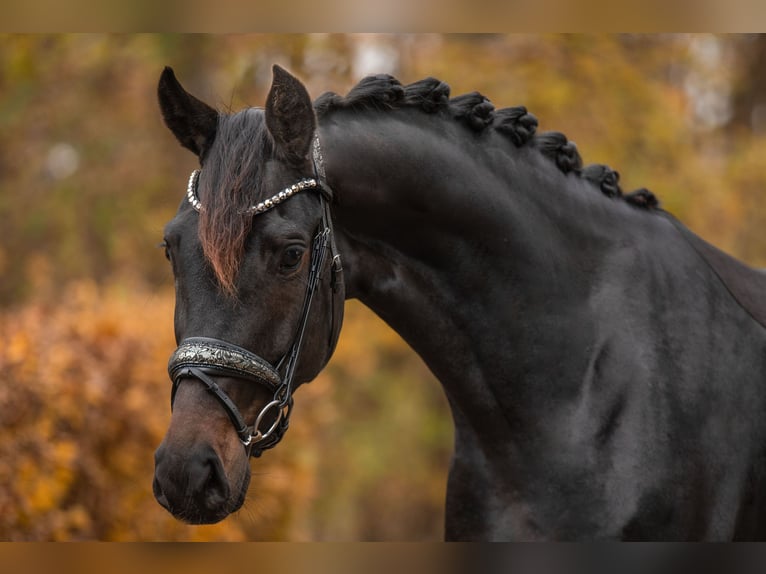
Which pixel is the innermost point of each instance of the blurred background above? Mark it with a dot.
(89, 176)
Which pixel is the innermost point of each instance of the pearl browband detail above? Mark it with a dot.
(265, 205)
(191, 191)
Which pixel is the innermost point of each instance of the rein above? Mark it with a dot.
(201, 358)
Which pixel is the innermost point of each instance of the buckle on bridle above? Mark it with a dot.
(258, 435)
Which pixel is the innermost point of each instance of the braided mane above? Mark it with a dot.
(232, 174)
(384, 92)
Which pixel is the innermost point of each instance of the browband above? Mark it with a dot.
(265, 205)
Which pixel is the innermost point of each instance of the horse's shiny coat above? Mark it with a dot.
(606, 370)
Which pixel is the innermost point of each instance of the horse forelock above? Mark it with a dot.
(384, 92)
(232, 178)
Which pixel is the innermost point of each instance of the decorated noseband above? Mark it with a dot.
(205, 352)
(200, 357)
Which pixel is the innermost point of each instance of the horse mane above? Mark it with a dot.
(232, 175)
(384, 92)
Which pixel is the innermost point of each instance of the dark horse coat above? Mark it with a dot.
(605, 367)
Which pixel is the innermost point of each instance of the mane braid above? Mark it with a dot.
(643, 198)
(379, 92)
(429, 95)
(516, 123)
(476, 110)
(604, 178)
(557, 147)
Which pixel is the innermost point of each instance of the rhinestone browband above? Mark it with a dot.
(265, 205)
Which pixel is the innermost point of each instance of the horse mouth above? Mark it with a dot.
(196, 511)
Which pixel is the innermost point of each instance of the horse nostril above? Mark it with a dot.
(205, 481)
(213, 490)
(193, 487)
(159, 495)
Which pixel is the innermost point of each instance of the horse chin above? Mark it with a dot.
(211, 511)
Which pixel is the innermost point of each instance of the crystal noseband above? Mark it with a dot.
(238, 362)
(200, 357)
(265, 205)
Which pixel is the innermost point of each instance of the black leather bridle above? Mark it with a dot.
(202, 358)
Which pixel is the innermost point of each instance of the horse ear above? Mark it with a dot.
(192, 121)
(290, 116)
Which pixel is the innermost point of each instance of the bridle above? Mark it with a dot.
(200, 357)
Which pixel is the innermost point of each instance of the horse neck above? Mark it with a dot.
(456, 240)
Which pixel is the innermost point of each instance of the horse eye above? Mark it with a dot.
(164, 245)
(291, 258)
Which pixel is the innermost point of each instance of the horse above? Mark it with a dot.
(604, 366)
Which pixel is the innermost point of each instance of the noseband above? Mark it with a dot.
(201, 358)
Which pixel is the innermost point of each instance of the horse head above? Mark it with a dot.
(259, 296)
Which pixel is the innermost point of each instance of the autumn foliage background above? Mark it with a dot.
(89, 175)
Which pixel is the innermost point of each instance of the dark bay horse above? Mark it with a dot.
(605, 367)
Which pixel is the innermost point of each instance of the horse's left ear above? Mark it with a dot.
(290, 115)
